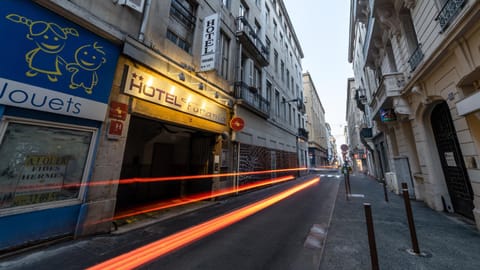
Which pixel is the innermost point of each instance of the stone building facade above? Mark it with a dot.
(416, 69)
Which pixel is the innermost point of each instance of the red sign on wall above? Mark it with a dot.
(237, 124)
(118, 110)
(115, 129)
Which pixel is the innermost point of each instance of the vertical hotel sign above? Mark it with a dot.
(211, 28)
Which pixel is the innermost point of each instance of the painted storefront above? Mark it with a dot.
(55, 82)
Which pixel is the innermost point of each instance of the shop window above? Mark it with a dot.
(40, 164)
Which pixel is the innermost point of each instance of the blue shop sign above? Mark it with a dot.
(51, 64)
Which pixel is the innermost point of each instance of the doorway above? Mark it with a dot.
(451, 158)
(163, 150)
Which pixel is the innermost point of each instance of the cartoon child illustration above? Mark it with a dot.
(88, 59)
(50, 40)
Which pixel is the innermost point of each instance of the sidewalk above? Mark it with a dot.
(448, 242)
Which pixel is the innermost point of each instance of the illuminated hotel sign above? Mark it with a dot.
(209, 42)
(160, 90)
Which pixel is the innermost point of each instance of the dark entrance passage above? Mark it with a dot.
(458, 183)
(157, 149)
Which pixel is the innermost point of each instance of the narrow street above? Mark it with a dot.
(282, 236)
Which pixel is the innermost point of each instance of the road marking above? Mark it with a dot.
(316, 236)
(357, 195)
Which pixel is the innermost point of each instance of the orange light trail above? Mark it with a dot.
(147, 253)
(192, 177)
(153, 179)
(196, 198)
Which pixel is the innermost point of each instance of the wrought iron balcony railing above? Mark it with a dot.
(183, 15)
(449, 11)
(416, 58)
(303, 134)
(252, 42)
(249, 96)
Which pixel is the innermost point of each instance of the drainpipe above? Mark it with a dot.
(146, 13)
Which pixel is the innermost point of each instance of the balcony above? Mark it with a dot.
(250, 98)
(303, 134)
(301, 106)
(182, 15)
(416, 58)
(361, 99)
(251, 42)
(449, 11)
(390, 87)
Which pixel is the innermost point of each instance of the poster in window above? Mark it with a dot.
(40, 164)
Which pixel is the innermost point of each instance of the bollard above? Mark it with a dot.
(371, 236)
(348, 183)
(411, 224)
(346, 187)
(385, 193)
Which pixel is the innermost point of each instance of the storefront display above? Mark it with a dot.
(47, 169)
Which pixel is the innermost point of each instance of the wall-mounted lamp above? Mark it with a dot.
(180, 75)
(200, 85)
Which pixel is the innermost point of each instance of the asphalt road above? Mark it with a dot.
(286, 235)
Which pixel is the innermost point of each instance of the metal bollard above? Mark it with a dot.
(371, 236)
(347, 192)
(385, 189)
(411, 224)
(348, 184)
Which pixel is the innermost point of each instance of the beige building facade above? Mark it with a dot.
(416, 64)
(316, 126)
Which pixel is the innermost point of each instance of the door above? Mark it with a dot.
(451, 158)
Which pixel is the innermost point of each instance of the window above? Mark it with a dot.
(390, 57)
(284, 108)
(290, 113)
(275, 29)
(269, 92)
(182, 24)
(226, 4)
(42, 163)
(409, 30)
(243, 10)
(294, 122)
(282, 70)
(275, 60)
(256, 77)
(288, 81)
(183, 12)
(277, 103)
(183, 44)
(225, 55)
(268, 44)
(267, 15)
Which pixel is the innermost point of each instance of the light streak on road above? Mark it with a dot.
(147, 253)
(194, 198)
(193, 177)
(154, 179)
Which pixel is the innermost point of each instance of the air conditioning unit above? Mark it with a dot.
(133, 4)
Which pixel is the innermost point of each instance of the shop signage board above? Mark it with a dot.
(51, 64)
(160, 90)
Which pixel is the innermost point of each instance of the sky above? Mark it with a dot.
(322, 28)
